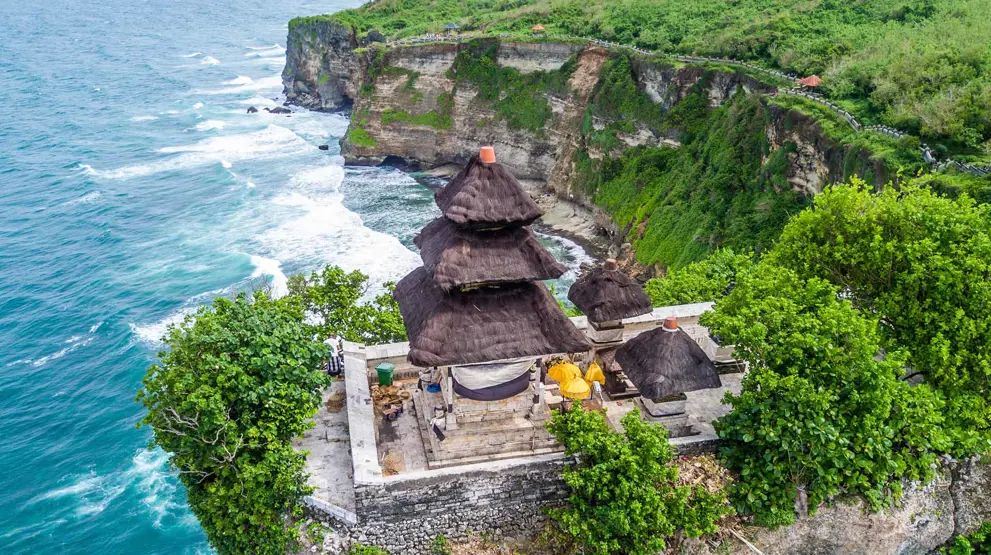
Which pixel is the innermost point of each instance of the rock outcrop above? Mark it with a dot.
(322, 68)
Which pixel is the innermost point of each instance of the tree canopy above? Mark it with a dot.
(237, 383)
(820, 412)
(334, 300)
(922, 263)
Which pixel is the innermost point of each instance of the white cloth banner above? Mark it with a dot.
(480, 376)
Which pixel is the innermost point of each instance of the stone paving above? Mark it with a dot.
(329, 461)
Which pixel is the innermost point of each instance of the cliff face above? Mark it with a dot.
(429, 105)
(322, 69)
(421, 81)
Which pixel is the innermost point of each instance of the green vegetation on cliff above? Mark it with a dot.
(920, 65)
(238, 382)
(519, 99)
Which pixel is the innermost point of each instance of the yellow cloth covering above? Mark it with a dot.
(575, 389)
(594, 374)
(564, 372)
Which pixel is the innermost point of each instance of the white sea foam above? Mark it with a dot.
(273, 83)
(73, 343)
(88, 198)
(272, 142)
(250, 185)
(95, 327)
(323, 231)
(210, 124)
(258, 101)
(210, 61)
(576, 256)
(152, 334)
(240, 80)
(269, 268)
(192, 55)
(227, 165)
(144, 118)
(272, 51)
(197, 106)
(147, 475)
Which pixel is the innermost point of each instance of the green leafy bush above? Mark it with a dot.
(706, 280)
(922, 263)
(334, 297)
(623, 494)
(820, 413)
(975, 543)
(236, 385)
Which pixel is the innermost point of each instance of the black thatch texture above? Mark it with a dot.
(484, 196)
(607, 294)
(662, 363)
(459, 257)
(482, 325)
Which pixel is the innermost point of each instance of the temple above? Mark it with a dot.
(479, 319)
(454, 420)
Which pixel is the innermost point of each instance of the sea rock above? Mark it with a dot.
(252, 110)
(324, 147)
(278, 110)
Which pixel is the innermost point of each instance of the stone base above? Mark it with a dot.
(484, 436)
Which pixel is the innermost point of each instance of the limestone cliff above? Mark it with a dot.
(425, 106)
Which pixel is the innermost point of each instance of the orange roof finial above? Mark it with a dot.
(671, 323)
(487, 155)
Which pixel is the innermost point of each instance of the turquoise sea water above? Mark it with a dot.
(134, 187)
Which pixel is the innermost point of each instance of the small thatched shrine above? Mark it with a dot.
(606, 295)
(476, 310)
(664, 364)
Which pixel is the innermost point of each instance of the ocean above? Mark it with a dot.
(134, 187)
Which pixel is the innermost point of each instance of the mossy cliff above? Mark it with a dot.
(672, 158)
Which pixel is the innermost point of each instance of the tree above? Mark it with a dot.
(923, 264)
(820, 412)
(623, 494)
(237, 383)
(334, 298)
(702, 281)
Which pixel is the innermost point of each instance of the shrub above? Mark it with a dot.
(698, 282)
(923, 264)
(623, 493)
(975, 543)
(238, 382)
(820, 413)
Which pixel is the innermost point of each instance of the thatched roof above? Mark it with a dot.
(661, 362)
(607, 294)
(458, 257)
(482, 325)
(485, 196)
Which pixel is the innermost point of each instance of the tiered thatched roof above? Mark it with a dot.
(459, 257)
(486, 195)
(482, 325)
(606, 294)
(666, 361)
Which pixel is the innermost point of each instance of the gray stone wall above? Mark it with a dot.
(404, 515)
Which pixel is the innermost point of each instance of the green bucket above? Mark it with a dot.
(385, 370)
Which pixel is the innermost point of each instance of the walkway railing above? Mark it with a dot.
(928, 155)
